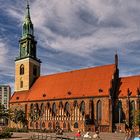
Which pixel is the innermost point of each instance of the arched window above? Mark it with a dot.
(49, 125)
(42, 109)
(60, 104)
(76, 125)
(91, 110)
(75, 104)
(64, 125)
(99, 112)
(21, 69)
(57, 125)
(82, 108)
(54, 110)
(60, 110)
(36, 111)
(67, 109)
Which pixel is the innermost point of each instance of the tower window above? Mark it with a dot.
(21, 84)
(21, 69)
(34, 70)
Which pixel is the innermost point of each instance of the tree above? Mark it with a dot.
(4, 114)
(20, 117)
(137, 118)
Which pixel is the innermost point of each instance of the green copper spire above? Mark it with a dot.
(27, 23)
(28, 10)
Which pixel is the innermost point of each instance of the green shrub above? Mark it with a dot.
(16, 130)
(5, 134)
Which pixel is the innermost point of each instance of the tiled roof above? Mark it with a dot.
(74, 84)
(132, 83)
(19, 96)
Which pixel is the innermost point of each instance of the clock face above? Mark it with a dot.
(23, 49)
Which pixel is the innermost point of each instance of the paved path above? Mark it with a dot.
(103, 136)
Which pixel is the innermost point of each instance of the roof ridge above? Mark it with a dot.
(130, 76)
(76, 70)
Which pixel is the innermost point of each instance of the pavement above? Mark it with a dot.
(27, 136)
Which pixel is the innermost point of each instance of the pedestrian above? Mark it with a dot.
(87, 135)
(78, 134)
(96, 135)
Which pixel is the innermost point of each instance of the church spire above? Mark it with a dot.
(27, 23)
(28, 10)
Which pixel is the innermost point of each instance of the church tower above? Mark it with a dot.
(27, 65)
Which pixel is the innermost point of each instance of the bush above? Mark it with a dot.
(5, 134)
(24, 130)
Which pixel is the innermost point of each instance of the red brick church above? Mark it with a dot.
(83, 99)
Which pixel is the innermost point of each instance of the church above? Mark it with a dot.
(86, 99)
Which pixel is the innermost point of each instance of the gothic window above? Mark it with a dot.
(60, 110)
(42, 109)
(99, 111)
(48, 105)
(76, 125)
(82, 108)
(43, 124)
(54, 109)
(75, 104)
(34, 70)
(60, 104)
(21, 69)
(67, 109)
(64, 125)
(91, 110)
(36, 111)
(57, 125)
(49, 125)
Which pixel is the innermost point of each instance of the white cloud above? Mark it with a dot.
(3, 52)
(80, 28)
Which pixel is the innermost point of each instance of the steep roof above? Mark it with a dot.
(87, 82)
(132, 83)
(19, 96)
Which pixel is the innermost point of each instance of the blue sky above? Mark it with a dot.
(73, 34)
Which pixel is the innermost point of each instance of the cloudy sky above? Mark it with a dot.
(73, 34)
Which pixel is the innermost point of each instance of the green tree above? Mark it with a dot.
(20, 117)
(137, 118)
(4, 114)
